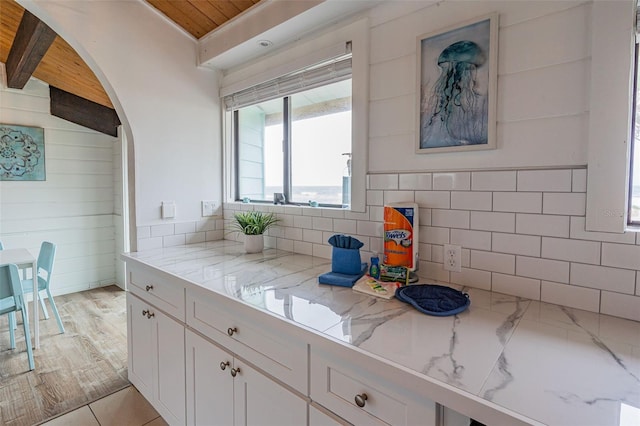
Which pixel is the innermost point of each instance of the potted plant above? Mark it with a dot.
(253, 224)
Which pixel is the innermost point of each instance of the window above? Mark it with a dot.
(297, 143)
(634, 169)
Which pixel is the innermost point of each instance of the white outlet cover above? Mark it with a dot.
(452, 258)
(209, 208)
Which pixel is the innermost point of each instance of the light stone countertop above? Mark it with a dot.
(552, 364)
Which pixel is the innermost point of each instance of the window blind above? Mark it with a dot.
(319, 75)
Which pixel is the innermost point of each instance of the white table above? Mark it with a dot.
(23, 258)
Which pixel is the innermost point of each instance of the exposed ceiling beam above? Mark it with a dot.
(84, 112)
(30, 44)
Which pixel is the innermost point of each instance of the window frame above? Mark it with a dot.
(633, 145)
(303, 53)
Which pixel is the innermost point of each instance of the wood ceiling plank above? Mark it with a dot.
(185, 15)
(30, 44)
(212, 12)
(228, 9)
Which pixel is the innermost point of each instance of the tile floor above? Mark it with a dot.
(123, 408)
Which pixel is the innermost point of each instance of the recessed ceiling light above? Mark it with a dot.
(265, 43)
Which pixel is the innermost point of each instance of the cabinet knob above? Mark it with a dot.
(235, 371)
(230, 332)
(149, 287)
(144, 312)
(361, 399)
(224, 365)
(148, 314)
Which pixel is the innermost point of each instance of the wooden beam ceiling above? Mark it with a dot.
(78, 110)
(30, 44)
(61, 66)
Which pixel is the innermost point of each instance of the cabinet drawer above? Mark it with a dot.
(158, 289)
(337, 381)
(268, 343)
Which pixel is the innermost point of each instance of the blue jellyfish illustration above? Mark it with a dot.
(456, 113)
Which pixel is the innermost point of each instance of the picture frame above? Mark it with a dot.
(22, 153)
(457, 80)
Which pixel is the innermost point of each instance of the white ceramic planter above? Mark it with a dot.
(253, 243)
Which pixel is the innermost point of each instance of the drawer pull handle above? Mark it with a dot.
(230, 332)
(235, 371)
(361, 400)
(149, 287)
(148, 314)
(224, 365)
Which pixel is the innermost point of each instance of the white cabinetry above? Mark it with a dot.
(156, 358)
(223, 390)
(363, 391)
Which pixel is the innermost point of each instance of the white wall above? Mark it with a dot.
(169, 107)
(518, 212)
(74, 207)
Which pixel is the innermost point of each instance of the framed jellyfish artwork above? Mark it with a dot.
(21, 153)
(457, 76)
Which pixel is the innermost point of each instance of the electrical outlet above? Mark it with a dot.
(452, 258)
(209, 208)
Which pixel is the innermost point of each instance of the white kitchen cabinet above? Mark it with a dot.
(157, 358)
(223, 390)
(355, 387)
(321, 417)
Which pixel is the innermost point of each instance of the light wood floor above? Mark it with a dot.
(73, 369)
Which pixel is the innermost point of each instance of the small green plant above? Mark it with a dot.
(253, 222)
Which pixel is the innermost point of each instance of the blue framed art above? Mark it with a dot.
(457, 79)
(21, 153)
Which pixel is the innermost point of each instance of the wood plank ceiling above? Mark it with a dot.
(63, 68)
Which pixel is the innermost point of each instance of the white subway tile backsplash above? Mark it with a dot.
(356, 215)
(493, 181)
(517, 202)
(437, 254)
(456, 181)
(284, 244)
(303, 247)
(375, 198)
(621, 256)
(371, 229)
(604, 278)
(162, 230)
(312, 212)
(527, 245)
(493, 221)
(385, 181)
(286, 220)
(471, 200)
(433, 235)
(413, 181)
(424, 249)
(538, 224)
(433, 271)
(312, 236)
(578, 232)
(376, 214)
(425, 217)
(515, 286)
(196, 237)
(293, 233)
(433, 199)
(579, 180)
(620, 305)
(571, 250)
(637, 283)
(143, 232)
(450, 218)
(185, 228)
(479, 240)
(149, 243)
(544, 269)
(333, 213)
(391, 197)
(587, 299)
(572, 204)
(214, 235)
(323, 251)
(345, 226)
(322, 223)
(544, 180)
(209, 224)
(173, 240)
(472, 278)
(303, 222)
(494, 262)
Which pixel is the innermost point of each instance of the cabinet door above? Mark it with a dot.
(209, 387)
(170, 368)
(261, 402)
(320, 418)
(141, 353)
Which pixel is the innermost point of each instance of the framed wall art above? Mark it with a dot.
(457, 80)
(21, 153)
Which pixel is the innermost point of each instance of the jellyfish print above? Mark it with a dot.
(455, 111)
